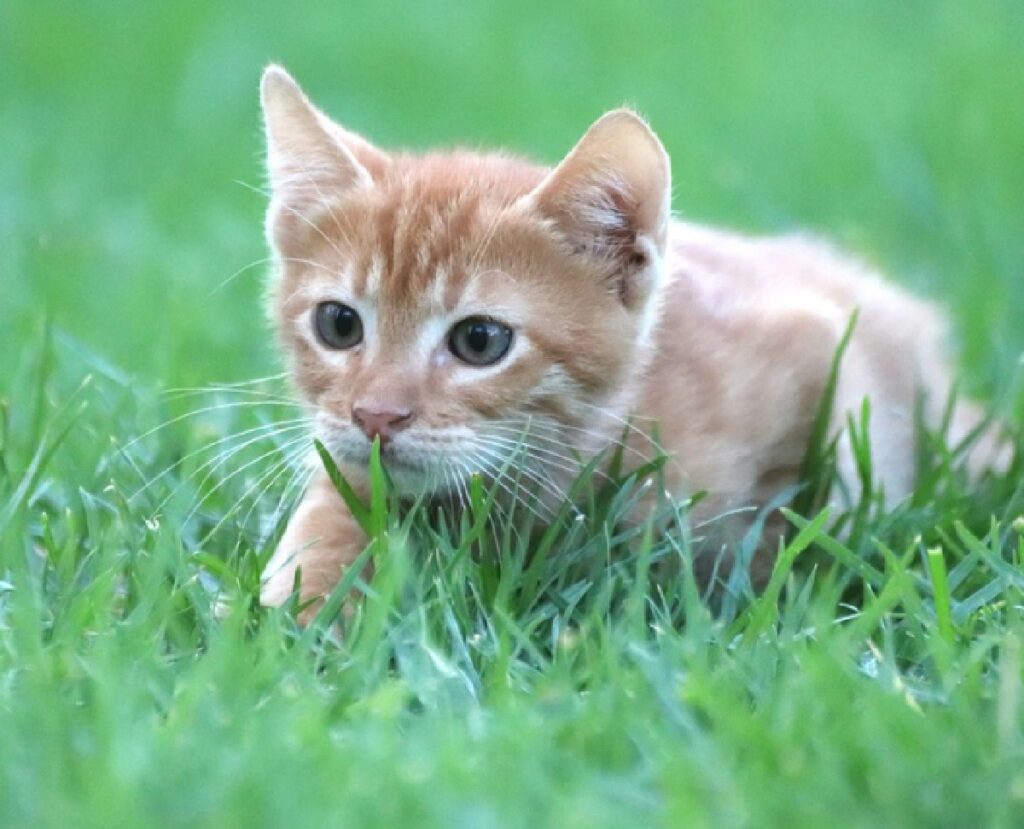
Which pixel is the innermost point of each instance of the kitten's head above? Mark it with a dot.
(451, 302)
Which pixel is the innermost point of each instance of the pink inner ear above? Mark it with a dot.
(601, 217)
(611, 190)
(308, 156)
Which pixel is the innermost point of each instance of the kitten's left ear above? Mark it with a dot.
(610, 199)
(309, 157)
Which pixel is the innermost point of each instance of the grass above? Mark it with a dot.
(877, 680)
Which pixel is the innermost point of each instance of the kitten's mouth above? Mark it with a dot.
(391, 457)
(409, 473)
(394, 461)
(423, 463)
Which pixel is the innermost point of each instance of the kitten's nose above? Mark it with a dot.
(382, 422)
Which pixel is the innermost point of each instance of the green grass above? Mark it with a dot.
(876, 682)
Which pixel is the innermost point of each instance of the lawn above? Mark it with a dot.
(878, 682)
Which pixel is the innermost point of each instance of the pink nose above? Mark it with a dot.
(382, 423)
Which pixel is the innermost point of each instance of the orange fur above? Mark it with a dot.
(618, 313)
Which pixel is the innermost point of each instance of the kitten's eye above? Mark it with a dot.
(480, 341)
(337, 325)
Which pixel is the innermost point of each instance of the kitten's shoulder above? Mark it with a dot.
(724, 272)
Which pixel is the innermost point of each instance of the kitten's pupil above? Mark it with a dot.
(478, 337)
(337, 325)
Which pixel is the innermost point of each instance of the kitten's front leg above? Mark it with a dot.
(322, 538)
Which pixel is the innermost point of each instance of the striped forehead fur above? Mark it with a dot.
(420, 242)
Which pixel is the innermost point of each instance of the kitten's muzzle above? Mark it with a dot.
(382, 423)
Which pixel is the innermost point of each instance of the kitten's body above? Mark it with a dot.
(718, 344)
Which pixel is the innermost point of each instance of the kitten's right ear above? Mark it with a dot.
(310, 158)
(609, 199)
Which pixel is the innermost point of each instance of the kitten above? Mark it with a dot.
(460, 305)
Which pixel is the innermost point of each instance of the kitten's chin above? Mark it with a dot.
(408, 480)
(411, 482)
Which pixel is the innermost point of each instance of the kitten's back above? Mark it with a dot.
(748, 333)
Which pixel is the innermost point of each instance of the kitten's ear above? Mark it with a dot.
(310, 158)
(610, 199)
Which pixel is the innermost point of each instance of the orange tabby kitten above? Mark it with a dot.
(463, 305)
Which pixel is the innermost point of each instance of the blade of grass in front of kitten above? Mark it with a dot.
(360, 511)
(817, 468)
(940, 593)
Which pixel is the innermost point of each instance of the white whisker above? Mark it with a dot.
(499, 471)
(504, 514)
(202, 498)
(554, 435)
(285, 467)
(238, 404)
(215, 390)
(293, 491)
(276, 469)
(265, 431)
(547, 457)
(211, 465)
(267, 260)
(255, 381)
(626, 423)
(298, 214)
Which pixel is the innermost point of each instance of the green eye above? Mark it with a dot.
(337, 325)
(479, 341)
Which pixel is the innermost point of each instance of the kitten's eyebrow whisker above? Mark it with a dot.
(324, 201)
(266, 260)
(298, 260)
(269, 260)
(269, 196)
(490, 233)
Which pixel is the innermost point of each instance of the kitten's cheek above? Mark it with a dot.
(311, 376)
(442, 358)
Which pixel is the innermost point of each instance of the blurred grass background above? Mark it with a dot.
(896, 128)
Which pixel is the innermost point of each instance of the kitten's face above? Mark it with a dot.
(460, 306)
